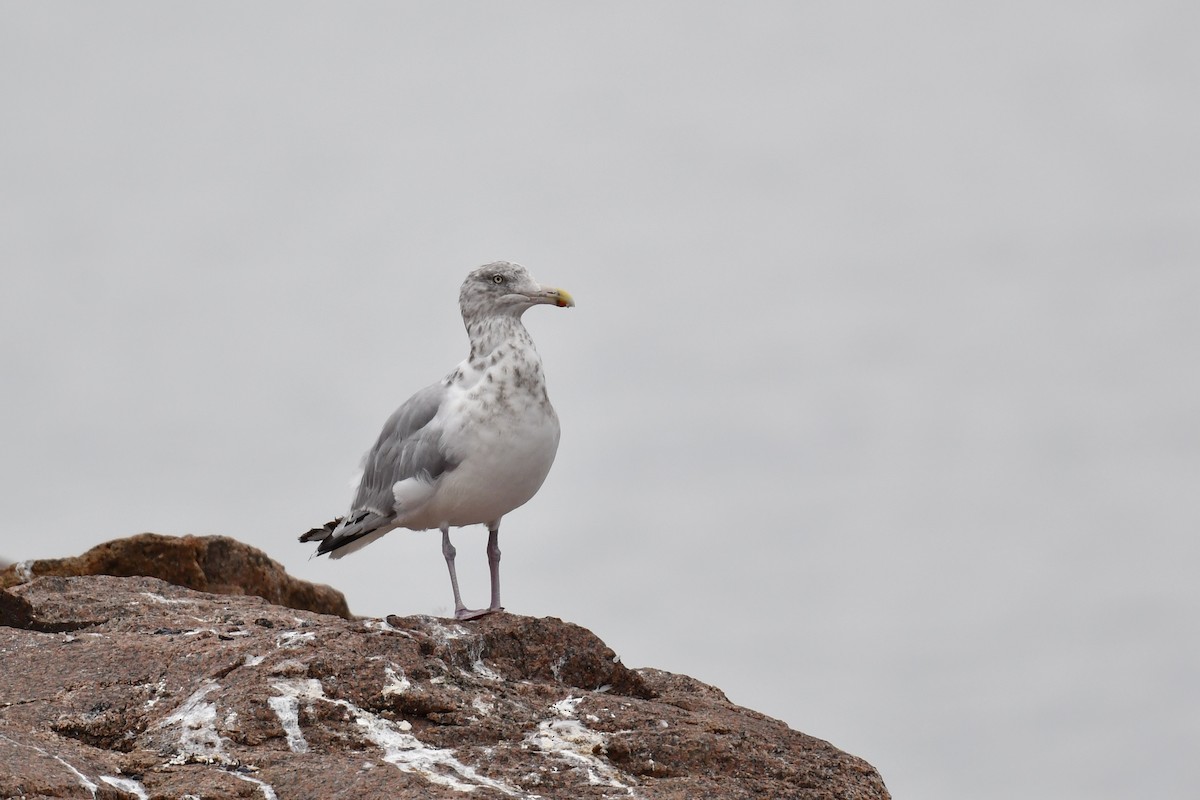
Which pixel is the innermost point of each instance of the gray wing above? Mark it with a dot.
(408, 446)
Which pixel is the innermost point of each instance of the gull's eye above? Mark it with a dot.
(497, 279)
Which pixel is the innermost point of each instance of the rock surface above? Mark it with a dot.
(214, 564)
(132, 687)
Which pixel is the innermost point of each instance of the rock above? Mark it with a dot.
(121, 687)
(214, 564)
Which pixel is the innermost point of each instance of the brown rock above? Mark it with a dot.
(214, 564)
(150, 689)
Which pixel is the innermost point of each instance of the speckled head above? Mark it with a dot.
(505, 289)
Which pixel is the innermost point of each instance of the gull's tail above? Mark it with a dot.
(344, 535)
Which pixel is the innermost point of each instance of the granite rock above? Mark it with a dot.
(216, 564)
(124, 687)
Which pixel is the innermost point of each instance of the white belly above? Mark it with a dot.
(504, 454)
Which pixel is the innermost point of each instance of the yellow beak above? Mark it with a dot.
(563, 298)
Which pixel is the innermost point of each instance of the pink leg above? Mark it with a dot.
(493, 554)
(449, 552)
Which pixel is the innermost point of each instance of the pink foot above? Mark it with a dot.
(469, 613)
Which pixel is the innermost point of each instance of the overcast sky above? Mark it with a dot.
(880, 405)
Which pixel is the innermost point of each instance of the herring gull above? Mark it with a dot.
(470, 448)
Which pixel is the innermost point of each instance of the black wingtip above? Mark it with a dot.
(322, 533)
(331, 544)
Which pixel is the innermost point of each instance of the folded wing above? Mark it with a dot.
(408, 452)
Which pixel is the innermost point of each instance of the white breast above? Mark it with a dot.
(503, 434)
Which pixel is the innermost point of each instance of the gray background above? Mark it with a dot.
(880, 402)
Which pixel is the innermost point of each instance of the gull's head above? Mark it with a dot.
(503, 288)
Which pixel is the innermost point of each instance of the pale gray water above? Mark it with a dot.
(880, 402)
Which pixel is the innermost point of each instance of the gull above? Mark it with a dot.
(470, 448)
